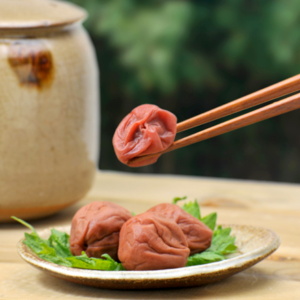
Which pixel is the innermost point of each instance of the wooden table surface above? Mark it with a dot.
(272, 205)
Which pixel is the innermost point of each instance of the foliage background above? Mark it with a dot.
(189, 57)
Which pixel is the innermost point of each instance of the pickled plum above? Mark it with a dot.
(147, 129)
(95, 229)
(197, 234)
(152, 242)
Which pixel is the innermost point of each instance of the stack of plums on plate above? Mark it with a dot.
(161, 238)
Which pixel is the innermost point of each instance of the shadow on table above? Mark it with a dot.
(240, 284)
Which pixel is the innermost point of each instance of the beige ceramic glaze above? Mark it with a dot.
(254, 244)
(26, 14)
(48, 108)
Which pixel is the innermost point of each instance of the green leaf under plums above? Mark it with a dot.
(56, 249)
(222, 244)
(60, 242)
(85, 262)
(204, 258)
(193, 209)
(210, 220)
(176, 199)
(55, 259)
(222, 241)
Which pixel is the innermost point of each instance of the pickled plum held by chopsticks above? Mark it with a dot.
(147, 129)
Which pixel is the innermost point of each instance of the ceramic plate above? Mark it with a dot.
(254, 244)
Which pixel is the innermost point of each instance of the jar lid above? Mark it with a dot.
(33, 14)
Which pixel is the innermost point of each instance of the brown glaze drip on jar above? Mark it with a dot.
(32, 62)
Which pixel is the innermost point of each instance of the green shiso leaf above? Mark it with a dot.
(60, 242)
(85, 262)
(176, 199)
(193, 209)
(222, 244)
(57, 250)
(210, 220)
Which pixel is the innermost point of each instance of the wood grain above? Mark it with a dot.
(275, 206)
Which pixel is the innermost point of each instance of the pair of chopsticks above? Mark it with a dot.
(272, 92)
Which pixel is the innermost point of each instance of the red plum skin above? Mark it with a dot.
(197, 234)
(95, 229)
(148, 129)
(152, 242)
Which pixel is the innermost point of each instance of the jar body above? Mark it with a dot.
(48, 122)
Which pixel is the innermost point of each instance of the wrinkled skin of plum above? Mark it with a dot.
(152, 242)
(95, 229)
(147, 129)
(197, 234)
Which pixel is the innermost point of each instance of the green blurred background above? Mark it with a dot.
(189, 57)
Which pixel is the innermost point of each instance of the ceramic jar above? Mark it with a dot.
(48, 108)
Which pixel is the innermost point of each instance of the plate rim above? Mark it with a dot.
(231, 263)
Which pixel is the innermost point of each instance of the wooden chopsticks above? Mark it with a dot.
(274, 91)
(277, 108)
